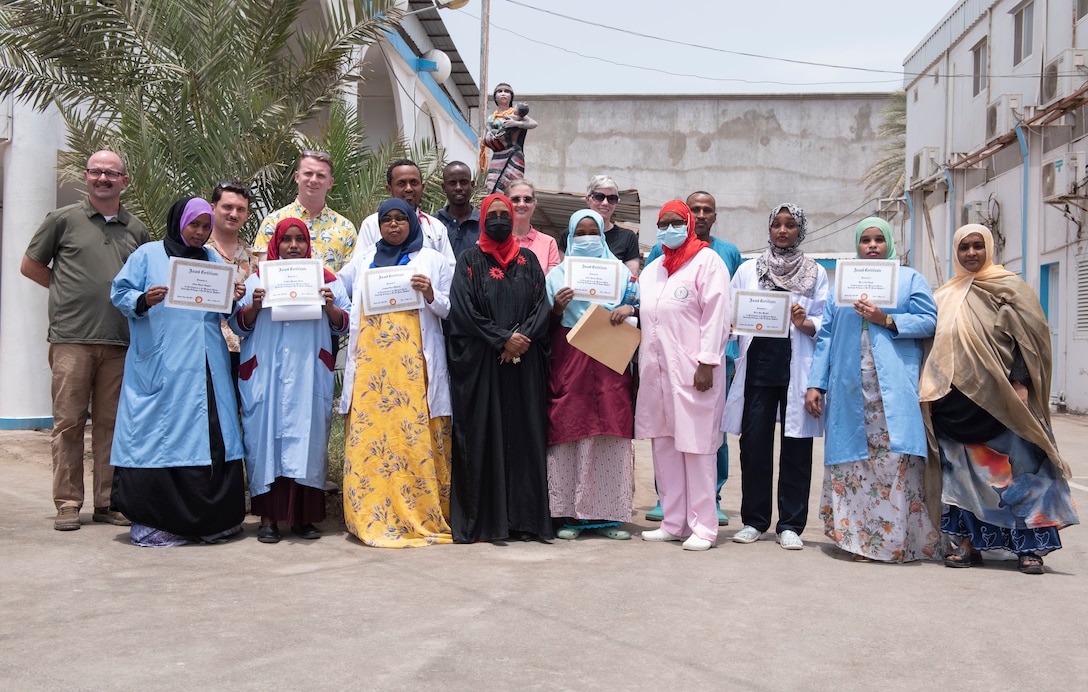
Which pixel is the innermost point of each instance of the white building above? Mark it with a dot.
(996, 127)
(416, 85)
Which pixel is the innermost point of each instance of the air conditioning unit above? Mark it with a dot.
(975, 212)
(1002, 115)
(925, 163)
(1061, 174)
(1062, 76)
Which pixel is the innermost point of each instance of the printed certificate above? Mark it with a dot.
(595, 280)
(876, 281)
(292, 282)
(200, 285)
(761, 313)
(389, 289)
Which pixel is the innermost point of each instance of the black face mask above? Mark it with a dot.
(498, 228)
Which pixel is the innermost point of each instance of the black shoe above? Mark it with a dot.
(307, 531)
(268, 534)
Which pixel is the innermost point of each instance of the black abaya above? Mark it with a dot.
(500, 416)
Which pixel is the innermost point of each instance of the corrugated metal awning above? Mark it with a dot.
(553, 210)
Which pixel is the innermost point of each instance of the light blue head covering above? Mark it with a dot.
(876, 222)
(557, 277)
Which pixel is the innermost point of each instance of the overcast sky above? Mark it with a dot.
(612, 46)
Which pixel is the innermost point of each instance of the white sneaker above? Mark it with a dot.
(695, 543)
(660, 536)
(789, 540)
(749, 534)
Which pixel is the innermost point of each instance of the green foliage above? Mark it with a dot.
(887, 176)
(360, 169)
(190, 92)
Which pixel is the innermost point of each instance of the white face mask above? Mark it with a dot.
(672, 237)
(585, 245)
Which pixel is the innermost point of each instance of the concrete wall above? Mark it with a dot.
(750, 152)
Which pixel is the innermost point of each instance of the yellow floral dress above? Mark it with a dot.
(396, 466)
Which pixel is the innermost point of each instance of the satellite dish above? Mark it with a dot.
(442, 61)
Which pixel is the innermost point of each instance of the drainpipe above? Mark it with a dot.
(951, 220)
(1022, 139)
(910, 210)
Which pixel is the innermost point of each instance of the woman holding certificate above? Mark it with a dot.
(177, 448)
(873, 503)
(590, 412)
(985, 390)
(685, 313)
(396, 390)
(498, 358)
(771, 379)
(287, 419)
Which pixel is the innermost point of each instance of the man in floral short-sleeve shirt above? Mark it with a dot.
(332, 236)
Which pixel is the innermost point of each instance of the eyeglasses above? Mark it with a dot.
(601, 197)
(235, 186)
(519, 200)
(98, 172)
(390, 218)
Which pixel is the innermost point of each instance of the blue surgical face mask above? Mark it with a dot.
(585, 245)
(673, 236)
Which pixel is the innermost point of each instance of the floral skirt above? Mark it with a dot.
(875, 507)
(396, 462)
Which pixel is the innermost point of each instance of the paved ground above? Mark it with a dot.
(85, 610)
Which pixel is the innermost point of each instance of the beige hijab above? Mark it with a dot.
(981, 318)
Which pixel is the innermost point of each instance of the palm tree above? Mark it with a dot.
(887, 177)
(191, 92)
(360, 168)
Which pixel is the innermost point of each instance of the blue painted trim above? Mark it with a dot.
(26, 423)
(827, 263)
(1044, 287)
(425, 65)
(1022, 138)
(951, 222)
(910, 210)
(427, 80)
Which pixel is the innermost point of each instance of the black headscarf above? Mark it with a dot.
(181, 215)
(390, 255)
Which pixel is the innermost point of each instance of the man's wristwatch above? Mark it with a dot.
(888, 322)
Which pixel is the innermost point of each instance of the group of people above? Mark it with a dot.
(472, 418)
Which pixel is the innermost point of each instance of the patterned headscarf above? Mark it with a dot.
(881, 225)
(674, 259)
(787, 268)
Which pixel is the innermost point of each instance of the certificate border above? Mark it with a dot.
(369, 309)
(202, 306)
(595, 298)
(839, 276)
(786, 300)
(270, 302)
